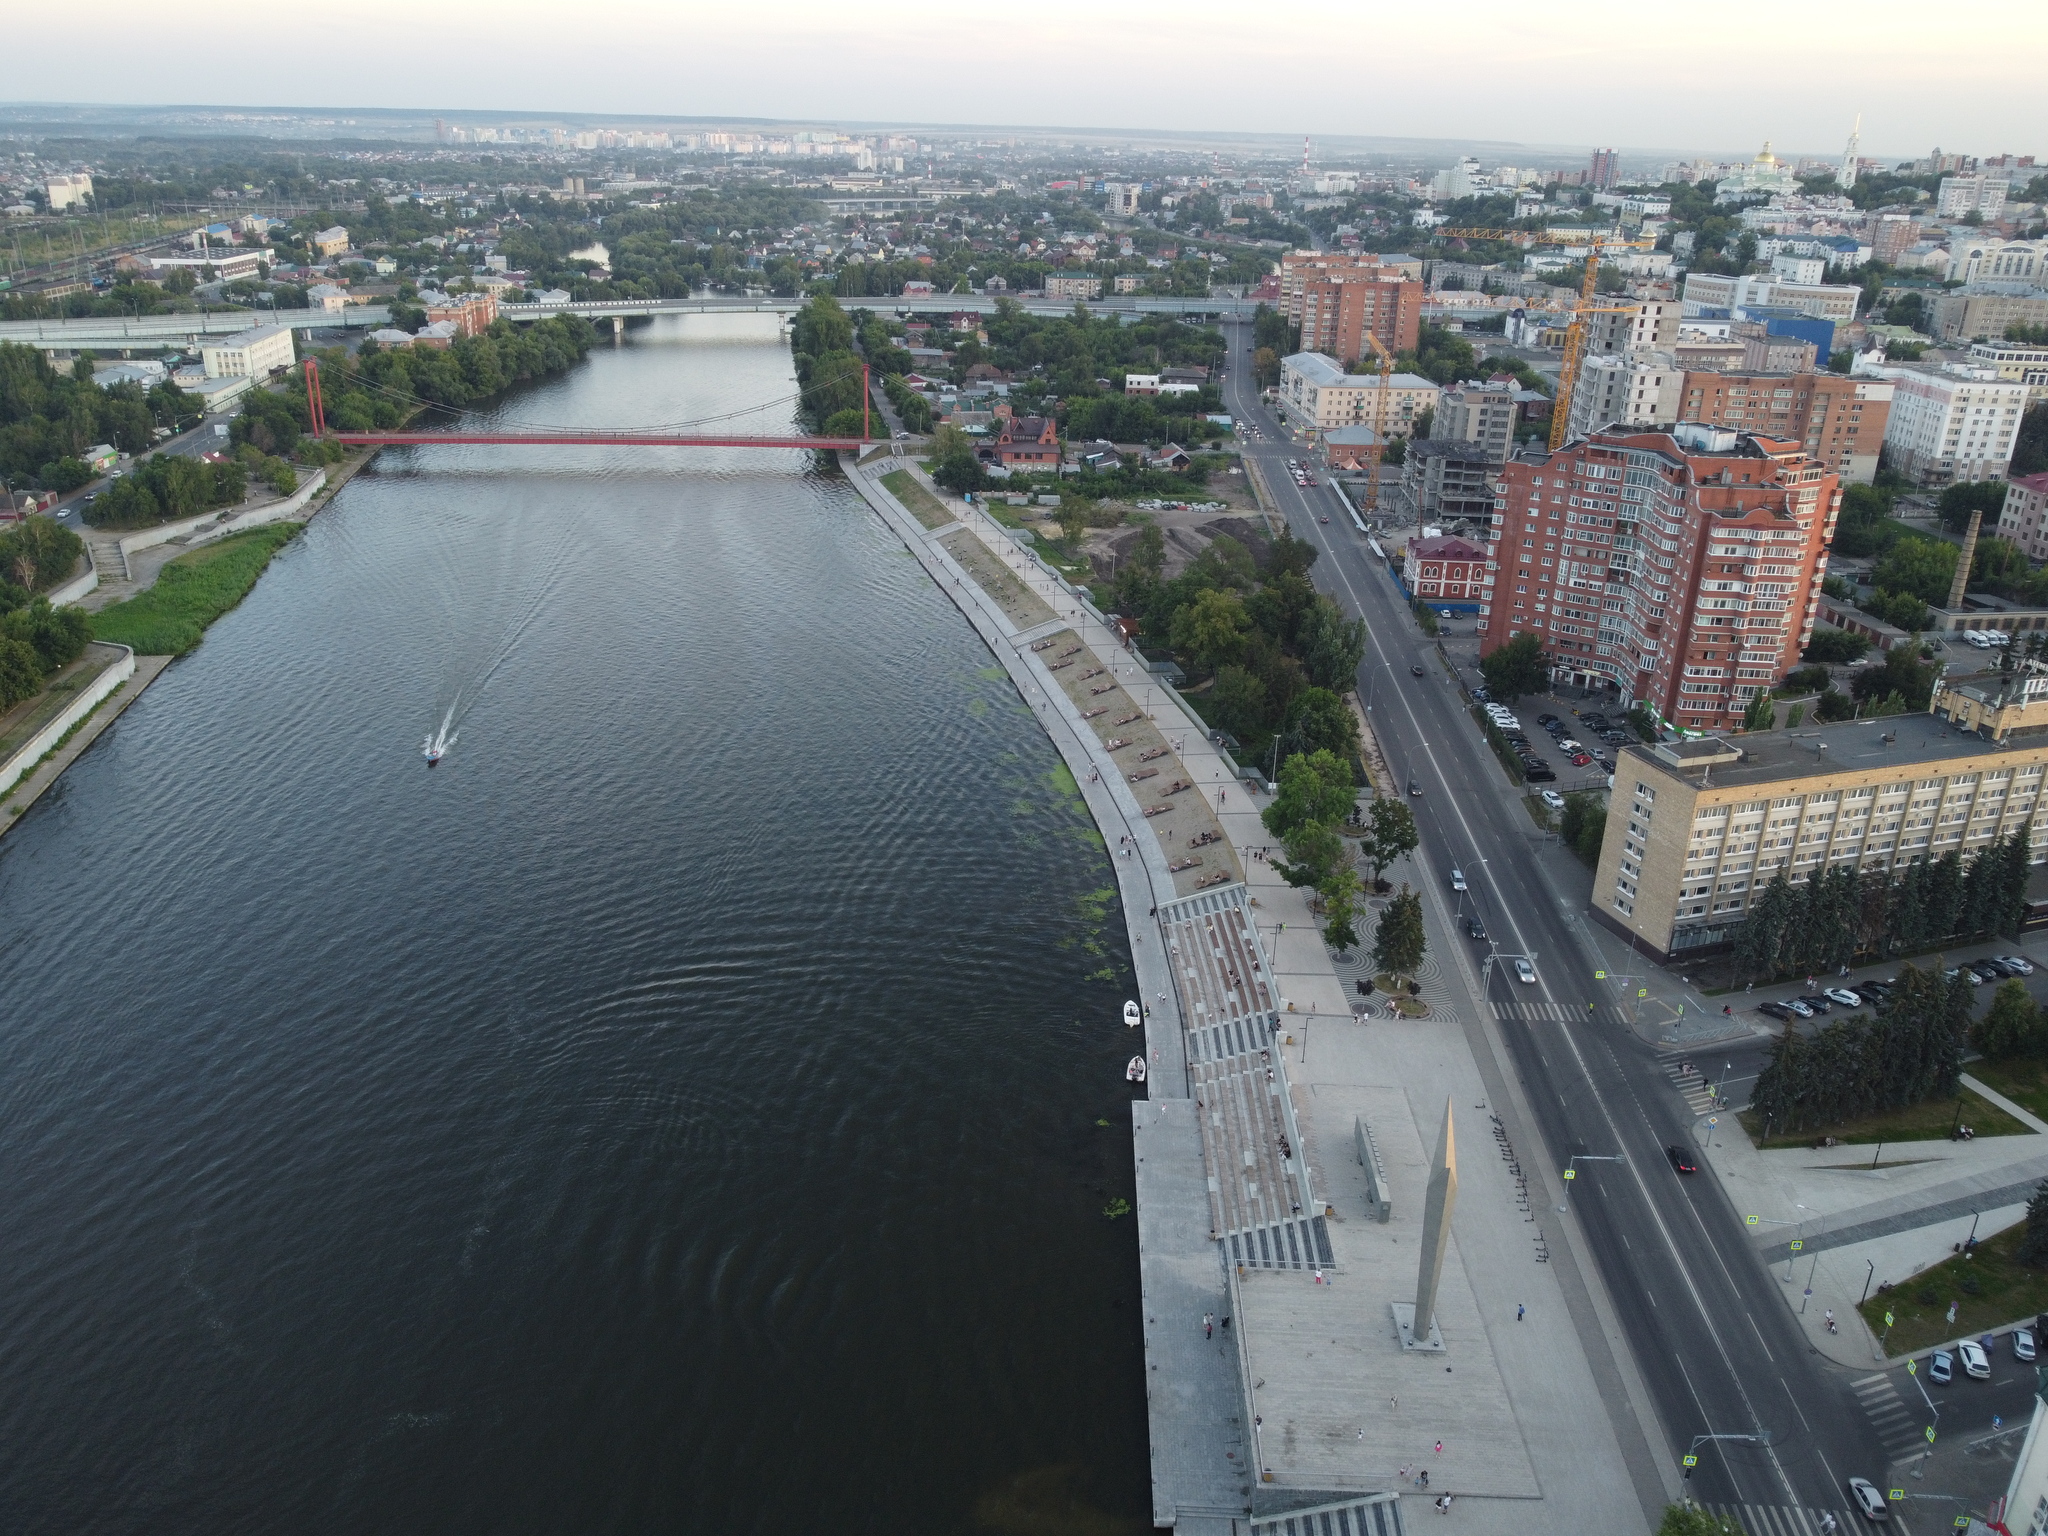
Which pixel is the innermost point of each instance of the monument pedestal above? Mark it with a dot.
(1404, 1326)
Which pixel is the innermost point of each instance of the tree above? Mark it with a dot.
(1315, 786)
(1584, 824)
(1968, 496)
(1515, 668)
(2011, 1027)
(2033, 1247)
(1331, 646)
(1643, 721)
(1237, 702)
(1266, 367)
(1340, 892)
(1210, 630)
(1314, 853)
(1902, 673)
(1392, 834)
(1833, 705)
(954, 464)
(1761, 714)
(1834, 647)
(1924, 567)
(1318, 720)
(1397, 944)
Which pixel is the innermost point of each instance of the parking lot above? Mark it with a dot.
(1584, 748)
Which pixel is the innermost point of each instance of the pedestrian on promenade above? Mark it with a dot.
(1423, 1480)
(1394, 1403)
(1520, 1310)
(1439, 1447)
(1749, 989)
(1208, 1325)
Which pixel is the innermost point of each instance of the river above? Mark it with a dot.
(692, 1106)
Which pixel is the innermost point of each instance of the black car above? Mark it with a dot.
(1414, 787)
(1593, 718)
(1475, 929)
(1540, 775)
(1776, 1010)
(1681, 1160)
(1818, 1003)
(1872, 992)
(1416, 670)
(1481, 696)
(1988, 970)
(1546, 721)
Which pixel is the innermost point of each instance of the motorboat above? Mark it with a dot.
(432, 751)
(1132, 1015)
(1135, 1072)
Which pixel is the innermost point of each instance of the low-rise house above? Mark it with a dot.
(1172, 456)
(1029, 442)
(1448, 567)
(387, 337)
(330, 242)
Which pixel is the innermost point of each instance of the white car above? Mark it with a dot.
(1457, 878)
(1869, 1502)
(1975, 1362)
(1524, 971)
(1553, 799)
(1843, 996)
(2023, 1343)
(2019, 963)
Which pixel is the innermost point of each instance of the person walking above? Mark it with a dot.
(1208, 1325)
(1520, 1311)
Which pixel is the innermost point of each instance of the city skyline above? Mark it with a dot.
(1506, 69)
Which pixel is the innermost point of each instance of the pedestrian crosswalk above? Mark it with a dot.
(1782, 1519)
(1557, 1013)
(1701, 1094)
(1898, 1427)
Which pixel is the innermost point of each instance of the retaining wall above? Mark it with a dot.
(15, 767)
(213, 525)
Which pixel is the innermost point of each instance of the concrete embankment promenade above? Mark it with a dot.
(1304, 1413)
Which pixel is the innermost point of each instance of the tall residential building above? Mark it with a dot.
(2023, 519)
(1316, 393)
(1605, 171)
(1298, 267)
(1648, 323)
(1841, 420)
(1681, 568)
(1695, 829)
(1986, 311)
(1892, 234)
(1639, 388)
(1980, 194)
(1479, 413)
(1337, 311)
(1949, 422)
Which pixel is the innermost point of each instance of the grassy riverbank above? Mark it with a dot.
(191, 592)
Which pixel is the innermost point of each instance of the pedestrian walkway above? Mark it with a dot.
(1895, 1423)
(1556, 1013)
(1699, 1093)
(1379, 1515)
(1783, 1519)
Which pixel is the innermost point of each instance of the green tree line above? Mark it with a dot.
(1840, 914)
(48, 418)
(36, 555)
(1911, 1051)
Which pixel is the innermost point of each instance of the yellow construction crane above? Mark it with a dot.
(1575, 333)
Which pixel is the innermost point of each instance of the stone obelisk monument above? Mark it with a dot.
(1417, 1324)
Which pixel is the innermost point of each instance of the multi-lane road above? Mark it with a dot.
(1712, 1335)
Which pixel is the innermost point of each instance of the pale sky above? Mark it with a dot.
(1695, 78)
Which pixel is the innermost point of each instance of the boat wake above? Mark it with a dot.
(436, 746)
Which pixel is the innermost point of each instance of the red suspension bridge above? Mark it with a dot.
(600, 436)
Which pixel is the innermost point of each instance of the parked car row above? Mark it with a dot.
(1975, 1356)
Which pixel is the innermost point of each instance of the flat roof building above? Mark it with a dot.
(1695, 829)
(251, 354)
(1318, 394)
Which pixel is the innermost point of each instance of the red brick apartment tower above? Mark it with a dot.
(1682, 567)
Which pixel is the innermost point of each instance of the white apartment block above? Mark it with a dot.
(67, 191)
(252, 354)
(1806, 270)
(1481, 414)
(2021, 362)
(1950, 422)
(1998, 261)
(1972, 194)
(1318, 394)
(1638, 389)
(1822, 301)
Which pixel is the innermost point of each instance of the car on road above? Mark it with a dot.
(1553, 799)
(2023, 1343)
(1869, 1502)
(1956, 970)
(1414, 787)
(1681, 1160)
(1417, 671)
(1457, 878)
(1941, 1367)
(1872, 993)
(1475, 929)
(1581, 760)
(1326, 519)
(1524, 971)
(1540, 773)
(1976, 1363)
(1547, 721)
(1567, 744)
(1606, 763)
(1309, 479)
(1843, 996)
(1983, 970)
(1481, 696)
(1798, 1007)
(1776, 1010)
(2019, 963)
(1817, 1002)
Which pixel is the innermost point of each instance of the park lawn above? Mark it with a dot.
(2024, 1080)
(919, 502)
(191, 592)
(1929, 1121)
(2007, 1292)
